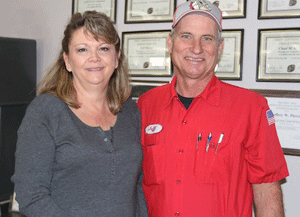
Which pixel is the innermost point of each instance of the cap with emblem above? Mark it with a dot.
(198, 6)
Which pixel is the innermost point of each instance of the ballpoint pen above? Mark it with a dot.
(198, 139)
(220, 140)
(208, 141)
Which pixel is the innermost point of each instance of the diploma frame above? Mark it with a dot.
(285, 94)
(151, 15)
(232, 13)
(231, 62)
(155, 61)
(267, 11)
(85, 4)
(140, 87)
(288, 72)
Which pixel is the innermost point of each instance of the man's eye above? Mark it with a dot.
(185, 36)
(207, 38)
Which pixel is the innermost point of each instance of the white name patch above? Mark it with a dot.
(154, 128)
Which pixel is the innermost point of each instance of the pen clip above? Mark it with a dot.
(220, 140)
(198, 139)
(208, 141)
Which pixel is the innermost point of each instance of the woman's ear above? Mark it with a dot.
(118, 59)
(67, 62)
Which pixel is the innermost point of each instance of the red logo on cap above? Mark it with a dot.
(200, 5)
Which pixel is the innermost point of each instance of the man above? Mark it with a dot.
(210, 148)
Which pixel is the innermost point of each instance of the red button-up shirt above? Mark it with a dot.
(185, 175)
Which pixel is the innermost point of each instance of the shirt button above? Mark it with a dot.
(177, 214)
(184, 122)
(180, 151)
(178, 182)
(105, 139)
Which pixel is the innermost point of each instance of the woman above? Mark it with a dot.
(78, 150)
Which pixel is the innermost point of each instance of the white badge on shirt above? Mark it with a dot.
(153, 128)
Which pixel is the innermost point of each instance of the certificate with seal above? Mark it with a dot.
(278, 9)
(147, 53)
(137, 11)
(107, 7)
(231, 8)
(285, 106)
(279, 55)
(230, 63)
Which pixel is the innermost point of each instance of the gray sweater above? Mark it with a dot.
(66, 168)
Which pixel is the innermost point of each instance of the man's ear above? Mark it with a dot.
(170, 43)
(67, 62)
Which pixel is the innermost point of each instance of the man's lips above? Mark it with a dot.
(194, 59)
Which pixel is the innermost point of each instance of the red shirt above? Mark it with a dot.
(181, 178)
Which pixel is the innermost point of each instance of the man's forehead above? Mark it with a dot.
(196, 19)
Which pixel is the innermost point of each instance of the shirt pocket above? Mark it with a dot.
(154, 161)
(211, 166)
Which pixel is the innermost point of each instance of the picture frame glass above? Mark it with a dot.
(279, 55)
(285, 106)
(107, 7)
(147, 53)
(138, 11)
(230, 63)
(231, 8)
(269, 9)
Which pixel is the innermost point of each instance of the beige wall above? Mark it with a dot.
(44, 21)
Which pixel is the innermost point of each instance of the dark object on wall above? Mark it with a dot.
(17, 89)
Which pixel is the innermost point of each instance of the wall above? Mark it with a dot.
(44, 21)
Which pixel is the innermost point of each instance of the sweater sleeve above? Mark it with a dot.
(142, 210)
(35, 155)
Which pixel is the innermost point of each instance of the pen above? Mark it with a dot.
(220, 140)
(198, 139)
(208, 141)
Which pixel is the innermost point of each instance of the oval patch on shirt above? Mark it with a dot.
(154, 128)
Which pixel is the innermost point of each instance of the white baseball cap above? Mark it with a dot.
(198, 6)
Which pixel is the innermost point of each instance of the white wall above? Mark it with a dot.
(45, 20)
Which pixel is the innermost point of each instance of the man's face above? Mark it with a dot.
(194, 47)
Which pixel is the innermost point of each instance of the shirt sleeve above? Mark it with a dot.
(264, 155)
(34, 163)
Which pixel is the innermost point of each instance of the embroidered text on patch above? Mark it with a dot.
(270, 117)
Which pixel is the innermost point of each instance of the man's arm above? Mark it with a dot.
(268, 199)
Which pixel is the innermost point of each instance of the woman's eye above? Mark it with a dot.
(81, 50)
(104, 48)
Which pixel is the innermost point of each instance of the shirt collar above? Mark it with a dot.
(211, 93)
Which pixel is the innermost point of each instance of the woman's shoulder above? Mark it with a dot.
(130, 106)
(46, 103)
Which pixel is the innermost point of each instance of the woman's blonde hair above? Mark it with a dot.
(58, 81)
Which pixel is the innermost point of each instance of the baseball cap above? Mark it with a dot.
(198, 6)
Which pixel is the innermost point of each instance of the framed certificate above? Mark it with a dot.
(140, 87)
(285, 106)
(138, 11)
(231, 8)
(105, 6)
(147, 53)
(270, 9)
(230, 64)
(279, 55)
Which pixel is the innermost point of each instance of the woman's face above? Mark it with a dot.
(92, 62)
